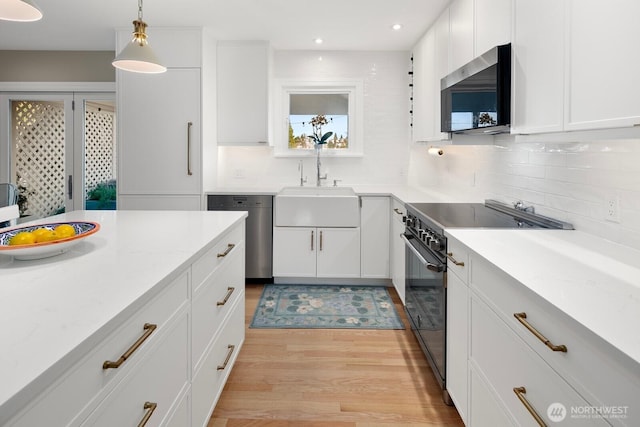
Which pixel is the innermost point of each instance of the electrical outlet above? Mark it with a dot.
(612, 212)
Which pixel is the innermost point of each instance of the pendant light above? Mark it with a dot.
(19, 10)
(137, 56)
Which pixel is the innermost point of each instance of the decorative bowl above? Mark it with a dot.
(45, 249)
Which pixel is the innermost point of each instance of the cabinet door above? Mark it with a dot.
(398, 249)
(538, 67)
(457, 342)
(294, 251)
(423, 85)
(338, 252)
(374, 239)
(602, 75)
(243, 82)
(492, 24)
(159, 152)
(461, 36)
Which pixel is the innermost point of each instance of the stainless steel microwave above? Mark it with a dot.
(476, 98)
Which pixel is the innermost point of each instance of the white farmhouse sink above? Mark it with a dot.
(317, 207)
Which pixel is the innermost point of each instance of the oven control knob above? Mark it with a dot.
(436, 244)
(421, 232)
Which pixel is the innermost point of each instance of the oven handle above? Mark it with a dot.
(433, 267)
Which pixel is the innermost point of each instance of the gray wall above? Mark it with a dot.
(56, 66)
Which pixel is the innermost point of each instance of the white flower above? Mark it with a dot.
(270, 304)
(385, 305)
(315, 302)
(303, 297)
(304, 309)
(352, 320)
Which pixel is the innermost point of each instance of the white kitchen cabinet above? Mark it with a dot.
(603, 65)
(538, 67)
(493, 352)
(160, 130)
(458, 326)
(397, 248)
(461, 37)
(374, 237)
(316, 252)
(492, 25)
(423, 88)
(243, 75)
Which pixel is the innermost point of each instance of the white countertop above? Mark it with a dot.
(52, 310)
(594, 281)
(403, 193)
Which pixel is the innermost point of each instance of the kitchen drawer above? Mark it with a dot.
(617, 382)
(216, 256)
(485, 409)
(159, 378)
(213, 302)
(458, 259)
(209, 380)
(68, 397)
(508, 363)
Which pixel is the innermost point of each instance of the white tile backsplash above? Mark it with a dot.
(571, 181)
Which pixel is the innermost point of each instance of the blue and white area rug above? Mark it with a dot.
(325, 307)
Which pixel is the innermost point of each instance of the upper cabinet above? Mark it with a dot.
(603, 64)
(461, 33)
(243, 74)
(580, 71)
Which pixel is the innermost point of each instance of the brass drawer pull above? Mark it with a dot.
(520, 392)
(396, 210)
(231, 347)
(453, 260)
(149, 328)
(149, 407)
(226, 252)
(522, 318)
(227, 296)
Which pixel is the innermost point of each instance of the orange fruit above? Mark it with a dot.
(22, 238)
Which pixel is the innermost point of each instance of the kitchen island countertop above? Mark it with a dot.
(594, 281)
(54, 309)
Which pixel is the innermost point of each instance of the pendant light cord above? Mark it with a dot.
(140, 10)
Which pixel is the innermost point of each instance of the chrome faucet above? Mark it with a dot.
(303, 178)
(319, 177)
(519, 205)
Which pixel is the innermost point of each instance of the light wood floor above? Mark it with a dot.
(330, 377)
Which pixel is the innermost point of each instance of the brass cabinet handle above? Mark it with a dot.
(453, 260)
(231, 347)
(189, 125)
(226, 297)
(321, 240)
(149, 407)
(522, 318)
(311, 240)
(520, 392)
(396, 210)
(226, 252)
(148, 328)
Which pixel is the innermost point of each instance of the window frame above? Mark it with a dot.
(354, 90)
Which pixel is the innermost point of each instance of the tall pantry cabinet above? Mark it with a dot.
(160, 125)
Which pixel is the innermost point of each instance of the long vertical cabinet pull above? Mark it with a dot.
(311, 240)
(321, 240)
(189, 125)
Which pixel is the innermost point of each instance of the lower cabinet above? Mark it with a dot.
(374, 237)
(316, 252)
(397, 248)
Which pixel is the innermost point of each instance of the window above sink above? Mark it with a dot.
(298, 101)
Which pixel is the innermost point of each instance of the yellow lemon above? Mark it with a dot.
(64, 230)
(40, 233)
(22, 238)
(44, 235)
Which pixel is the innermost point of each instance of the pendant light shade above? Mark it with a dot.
(19, 10)
(137, 56)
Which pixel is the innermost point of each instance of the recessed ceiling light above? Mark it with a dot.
(396, 26)
(318, 40)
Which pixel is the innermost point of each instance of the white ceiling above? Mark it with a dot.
(288, 24)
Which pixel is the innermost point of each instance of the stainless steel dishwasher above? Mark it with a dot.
(259, 230)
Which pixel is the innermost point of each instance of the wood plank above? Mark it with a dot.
(330, 377)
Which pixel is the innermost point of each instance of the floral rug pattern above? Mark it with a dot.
(326, 306)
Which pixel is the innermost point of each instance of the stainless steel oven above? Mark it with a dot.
(426, 264)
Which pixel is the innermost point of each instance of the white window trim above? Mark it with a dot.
(284, 88)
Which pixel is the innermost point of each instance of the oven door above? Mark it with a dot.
(426, 302)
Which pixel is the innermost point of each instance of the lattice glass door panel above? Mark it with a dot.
(99, 136)
(39, 135)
